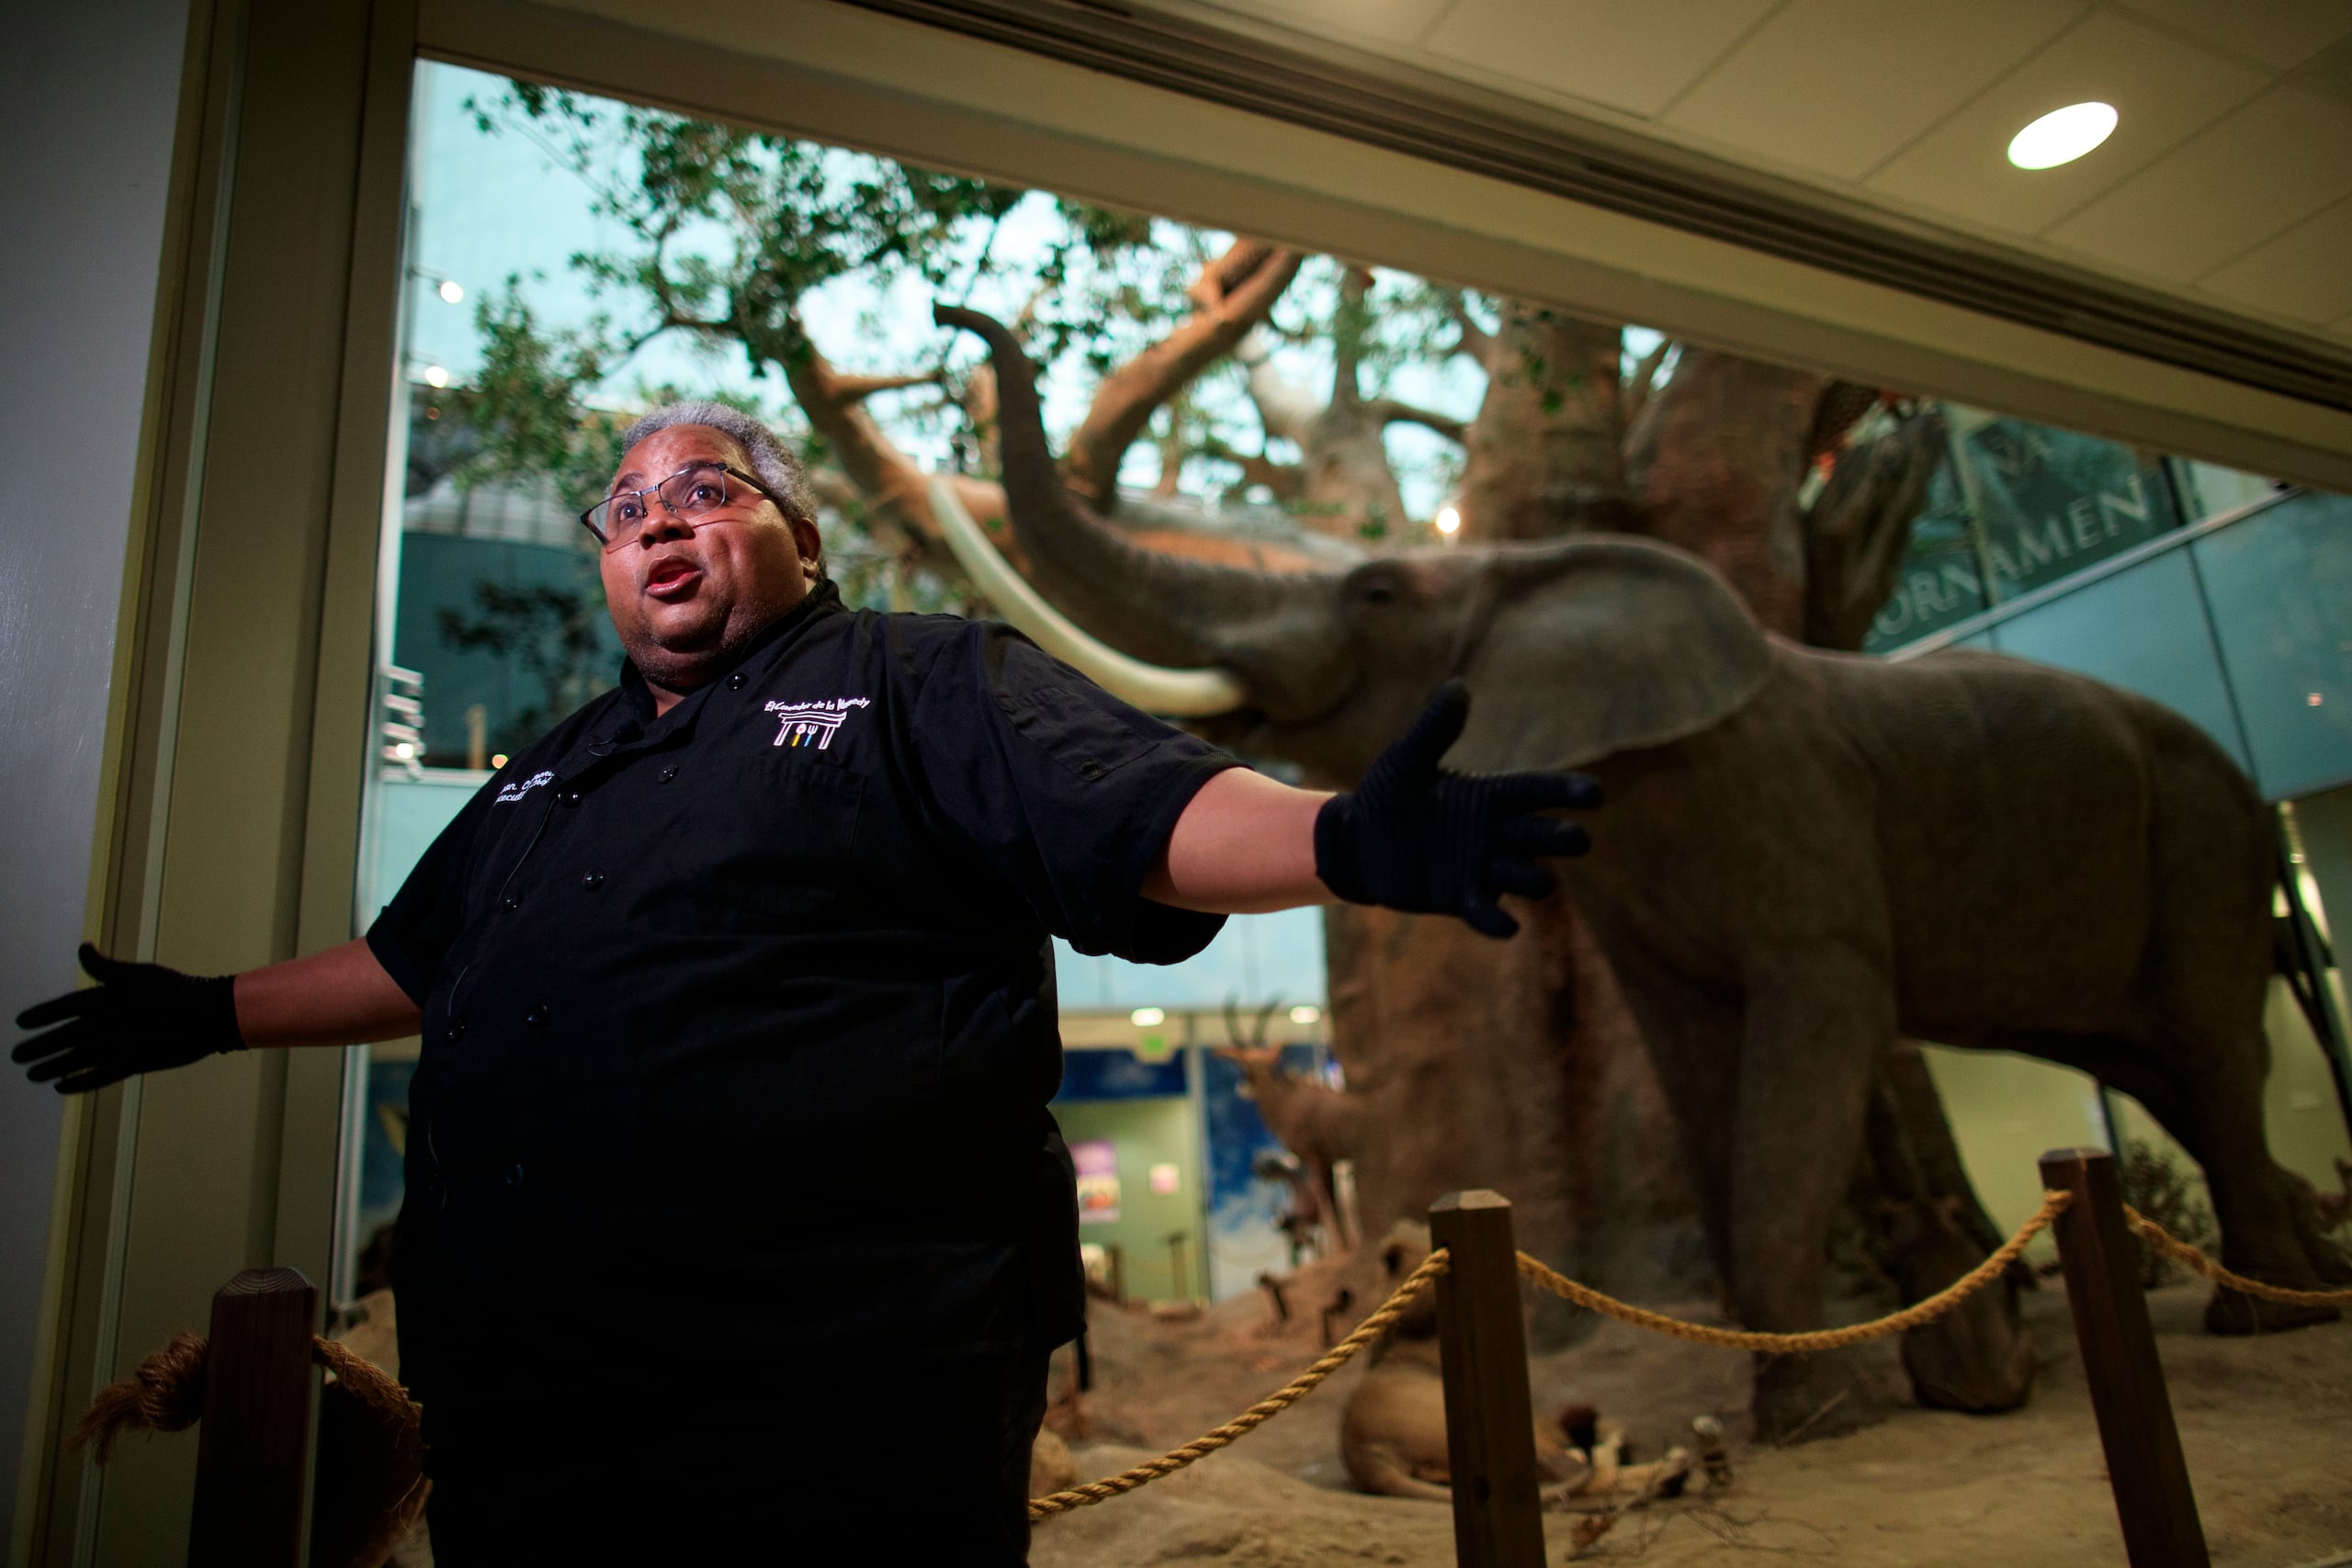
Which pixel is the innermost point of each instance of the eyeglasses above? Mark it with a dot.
(694, 493)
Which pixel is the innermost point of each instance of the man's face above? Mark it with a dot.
(685, 597)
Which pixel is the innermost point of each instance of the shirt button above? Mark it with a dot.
(569, 798)
(538, 1016)
(513, 1176)
(737, 681)
(1090, 769)
(511, 903)
(456, 1030)
(593, 881)
(668, 773)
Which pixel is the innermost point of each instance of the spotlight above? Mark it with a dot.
(1449, 521)
(435, 377)
(2061, 136)
(451, 291)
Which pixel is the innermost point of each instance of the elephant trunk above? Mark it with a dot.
(1159, 608)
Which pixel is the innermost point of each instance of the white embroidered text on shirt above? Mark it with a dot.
(516, 792)
(802, 722)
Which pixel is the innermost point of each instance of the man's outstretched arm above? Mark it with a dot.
(340, 997)
(1245, 845)
(141, 1018)
(1412, 836)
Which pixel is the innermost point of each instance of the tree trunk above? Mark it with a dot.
(1542, 457)
(1517, 1065)
(1719, 459)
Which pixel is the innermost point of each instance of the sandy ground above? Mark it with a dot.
(2266, 1423)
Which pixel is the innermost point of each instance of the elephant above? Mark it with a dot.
(1805, 856)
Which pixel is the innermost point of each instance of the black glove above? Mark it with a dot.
(138, 1018)
(1415, 838)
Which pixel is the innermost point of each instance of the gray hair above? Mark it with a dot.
(772, 464)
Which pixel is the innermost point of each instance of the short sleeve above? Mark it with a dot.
(421, 922)
(1067, 792)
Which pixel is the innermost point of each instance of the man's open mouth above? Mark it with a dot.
(671, 578)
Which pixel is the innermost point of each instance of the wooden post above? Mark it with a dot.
(1490, 1427)
(253, 1444)
(2127, 1383)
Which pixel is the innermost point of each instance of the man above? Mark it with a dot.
(734, 1208)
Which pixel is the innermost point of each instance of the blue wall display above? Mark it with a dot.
(1244, 1209)
(1120, 1075)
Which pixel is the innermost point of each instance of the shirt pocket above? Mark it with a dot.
(766, 846)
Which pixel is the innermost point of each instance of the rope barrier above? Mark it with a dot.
(1927, 1311)
(1266, 1409)
(165, 1392)
(2197, 1262)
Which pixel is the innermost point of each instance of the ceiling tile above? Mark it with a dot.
(2305, 273)
(2281, 34)
(2163, 90)
(2328, 72)
(1391, 22)
(1630, 54)
(1837, 86)
(2273, 162)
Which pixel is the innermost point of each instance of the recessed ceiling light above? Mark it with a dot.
(2061, 136)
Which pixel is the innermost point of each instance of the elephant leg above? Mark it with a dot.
(1975, 1358)
(2215, 1114)
(2222, 1130)
(1819, 1019)
(1694, 1040)
(1909, 1095)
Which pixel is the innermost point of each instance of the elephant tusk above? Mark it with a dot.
(1155, 688)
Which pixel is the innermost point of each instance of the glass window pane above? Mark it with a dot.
(2051, 502)
(1938, 584)
(2207, 490)
(2142, 629)
(2280, 584)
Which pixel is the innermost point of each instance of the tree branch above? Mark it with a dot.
(1285, 482)
(857, 389)
(1347, 337)
(1391, 411)
(1470, 337)
(1286, 407)
(894, 491)
(1637, 391)
(1243, 284)
(1857, 530)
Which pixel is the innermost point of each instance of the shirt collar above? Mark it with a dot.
(637, 694)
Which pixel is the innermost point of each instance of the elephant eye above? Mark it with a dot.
(1379, 593)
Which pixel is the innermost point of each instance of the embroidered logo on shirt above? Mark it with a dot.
(802, 723)
(516, 792)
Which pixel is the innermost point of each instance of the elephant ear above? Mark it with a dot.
(1596, 646)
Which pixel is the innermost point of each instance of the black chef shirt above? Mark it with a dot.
(739, 1022)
